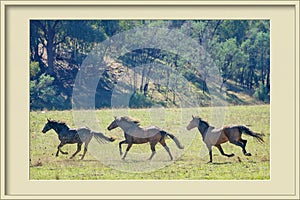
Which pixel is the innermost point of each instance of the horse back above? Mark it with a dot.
(152, 128)
(232, 132)
(69, 137)
(84, 133)
(216, 136)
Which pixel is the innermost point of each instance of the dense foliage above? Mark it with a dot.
(239, 48)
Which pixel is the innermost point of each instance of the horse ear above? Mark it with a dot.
(193, 116)
(115, 117)
(48, 119)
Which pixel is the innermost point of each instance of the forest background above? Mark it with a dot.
(240, 50)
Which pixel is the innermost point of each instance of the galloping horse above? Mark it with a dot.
(72, 136)
(215, 137)
(134, 134)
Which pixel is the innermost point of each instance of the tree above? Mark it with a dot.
(237, 29)
(257, 48)
(48, 37)
(226, 55)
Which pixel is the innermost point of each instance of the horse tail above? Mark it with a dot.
(164, 133)
(101, 138)
(246, 130)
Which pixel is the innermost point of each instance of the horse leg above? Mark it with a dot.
(128, 147)
(59, 149)
(152, 145)
(86, 144)
(120, 146)
(242, 145)
(163, 143)
(84, 152)
(168, 150)
(222, 152)
(209, 147)
(244, 150)
(77, 151)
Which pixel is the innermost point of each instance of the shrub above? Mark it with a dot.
(139, 100)
(262, 93)
(43, 94)
(34, 69)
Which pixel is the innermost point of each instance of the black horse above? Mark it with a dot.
(73, 136)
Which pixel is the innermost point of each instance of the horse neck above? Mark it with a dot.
(202, 127)
(60, 128)
(128, 126)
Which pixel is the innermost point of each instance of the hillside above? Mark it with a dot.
(234, 93)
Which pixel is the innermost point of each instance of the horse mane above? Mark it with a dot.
(131, 120)
(60, 123)
(202, 121)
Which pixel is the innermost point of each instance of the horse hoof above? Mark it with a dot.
(231, 155)
(248, 154)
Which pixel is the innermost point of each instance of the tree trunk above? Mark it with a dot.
(262, 70)
(142, 80)
(48, 28)
(268, 80)
(223, 82)
(51, 47)
(146, 89)
(50, 57)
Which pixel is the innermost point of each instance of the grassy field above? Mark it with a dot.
(103, 162)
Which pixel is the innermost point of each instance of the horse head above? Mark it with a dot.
(193, 123)
(47, 126)
(113, 124)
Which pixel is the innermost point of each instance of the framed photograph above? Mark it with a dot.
(171, 99)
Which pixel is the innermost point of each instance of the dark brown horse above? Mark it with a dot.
(134, 134)
(215, 137)
(73, 136)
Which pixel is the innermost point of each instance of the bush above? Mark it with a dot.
(139, 100)
(262, 93)
(43, 94)
(34, 69)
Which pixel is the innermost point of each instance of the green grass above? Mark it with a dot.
(189, 164)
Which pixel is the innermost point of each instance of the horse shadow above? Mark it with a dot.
(220, 163)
